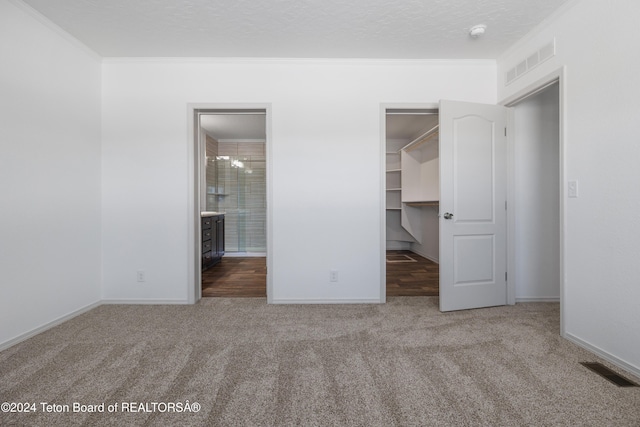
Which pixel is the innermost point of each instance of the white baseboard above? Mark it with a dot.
(326, 301)
(145, 301)
(537, 299)
(430, 258)
(22, 337)
(391, 247)
(395, 245)
(605, 355)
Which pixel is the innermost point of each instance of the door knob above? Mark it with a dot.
(448, 215)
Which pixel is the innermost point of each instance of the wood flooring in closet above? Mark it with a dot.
(408, 274)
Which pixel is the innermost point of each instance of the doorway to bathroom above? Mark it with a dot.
(233, 196)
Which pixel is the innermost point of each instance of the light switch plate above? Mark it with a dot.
(573, 189)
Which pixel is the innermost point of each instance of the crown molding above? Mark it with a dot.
(55, 28)
(300, 61)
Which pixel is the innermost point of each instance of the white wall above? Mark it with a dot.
(598, 44)
(537, 194)
(327, 167)
(430, 227)
(49, 175)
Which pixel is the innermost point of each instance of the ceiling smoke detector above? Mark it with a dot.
(477, 30)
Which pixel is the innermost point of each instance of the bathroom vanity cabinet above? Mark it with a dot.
(212, 239)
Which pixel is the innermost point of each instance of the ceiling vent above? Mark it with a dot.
(532, 61)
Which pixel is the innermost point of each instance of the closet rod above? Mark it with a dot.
(232, 113)
(422, 138)
(411, 113)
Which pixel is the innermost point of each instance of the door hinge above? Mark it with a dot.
(505, 131)
(505, 205)
(505, 276)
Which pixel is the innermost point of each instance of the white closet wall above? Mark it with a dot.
(430, 245)
(537, 187)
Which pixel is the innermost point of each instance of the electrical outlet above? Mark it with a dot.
(141, 276)
(333, 275)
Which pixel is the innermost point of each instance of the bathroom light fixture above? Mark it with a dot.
(477, 30)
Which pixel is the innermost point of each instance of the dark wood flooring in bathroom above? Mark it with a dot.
(236, 277)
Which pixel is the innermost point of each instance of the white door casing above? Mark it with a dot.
(473, 189)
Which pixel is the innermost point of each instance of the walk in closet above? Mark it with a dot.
(412, 181)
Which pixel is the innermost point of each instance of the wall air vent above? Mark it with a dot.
(533, 60)
(538, 57)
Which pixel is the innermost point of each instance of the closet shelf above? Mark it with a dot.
(394, 189)
(423, 203)
(394, 170)
(421, 139)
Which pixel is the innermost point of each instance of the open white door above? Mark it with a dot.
(473, 220)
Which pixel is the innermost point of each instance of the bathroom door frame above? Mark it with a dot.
(196, 166)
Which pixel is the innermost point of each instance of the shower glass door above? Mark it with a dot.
(237, 187)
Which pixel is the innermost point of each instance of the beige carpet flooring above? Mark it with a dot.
(249, 364)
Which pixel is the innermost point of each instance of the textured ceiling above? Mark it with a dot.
(394, 29)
